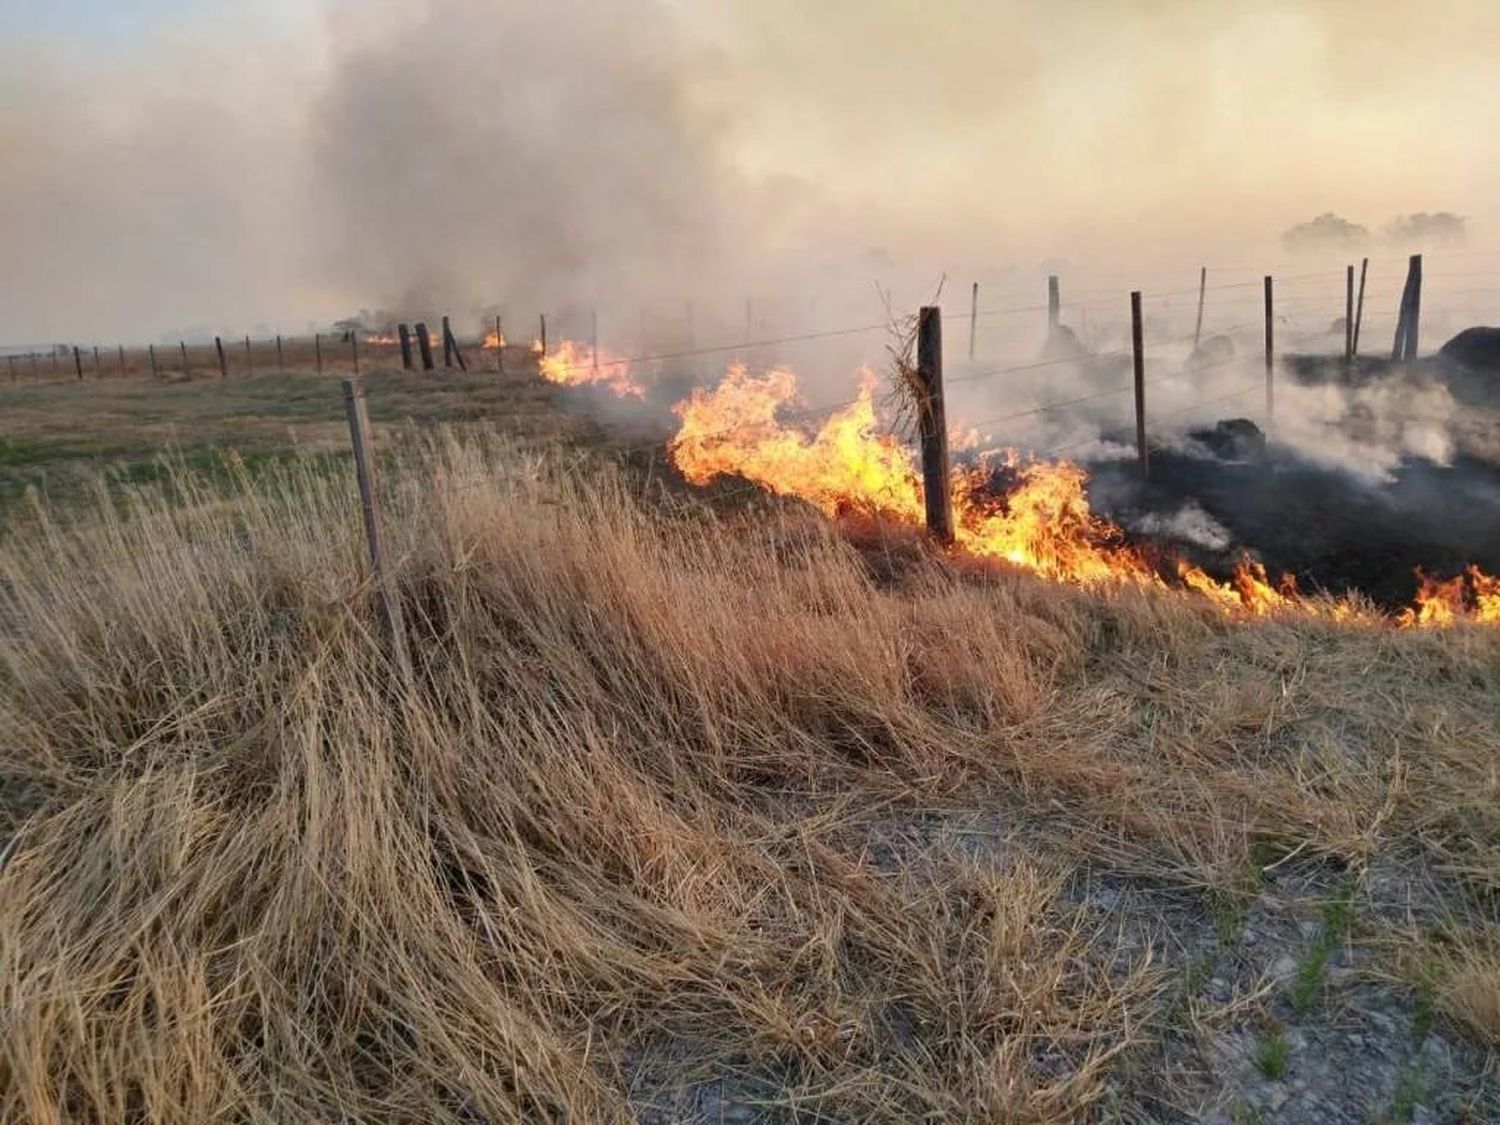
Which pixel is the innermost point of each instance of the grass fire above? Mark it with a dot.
(697, 564)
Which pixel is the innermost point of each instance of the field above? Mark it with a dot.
(695, 809)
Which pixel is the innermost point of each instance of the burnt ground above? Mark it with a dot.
(1334, 529)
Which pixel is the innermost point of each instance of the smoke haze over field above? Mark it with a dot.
(268, 162)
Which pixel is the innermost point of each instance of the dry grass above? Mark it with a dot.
(640, 822)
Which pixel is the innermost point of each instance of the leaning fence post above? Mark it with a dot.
(1202, 290)
(1054, 305)
(1270, 350)
(1359, 306)
(932, 425)
(364, 468)
(1405, 345)
(424, 345)
(1138, 353)
(223, 363)
(1349, 314)
(450, 342)
(403, 333)
(1414, 315)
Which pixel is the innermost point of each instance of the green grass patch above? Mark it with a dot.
(1338, 915)
(1272, 1054)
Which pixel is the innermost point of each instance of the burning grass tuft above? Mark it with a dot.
(653, 814)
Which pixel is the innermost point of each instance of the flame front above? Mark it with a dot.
(493, 341)
(1042, 524)
(1472, 595)
(574, 365)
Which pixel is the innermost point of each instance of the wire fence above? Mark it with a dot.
(1310, 303)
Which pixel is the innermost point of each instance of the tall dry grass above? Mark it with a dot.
(654, 812)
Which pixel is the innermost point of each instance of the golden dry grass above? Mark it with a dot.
(670, 800)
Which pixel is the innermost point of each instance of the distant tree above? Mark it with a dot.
(1326, 232)
(1441, 228)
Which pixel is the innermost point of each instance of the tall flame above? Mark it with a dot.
(1473, 594)
(1043, 523)
(575, 365)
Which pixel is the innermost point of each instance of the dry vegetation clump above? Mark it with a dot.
(655, 811)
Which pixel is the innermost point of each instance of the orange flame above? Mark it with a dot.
(381, 341)
(574, 365)
(537, 349)
(493, 341)
(1042, 524)
(1472, 595)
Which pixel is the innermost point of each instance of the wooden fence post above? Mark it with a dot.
(1138, 353)
(932, 425)
(280, 364)
(98, 367)
(1270, 350)
(1359, 306)
(364, 468)
(223, 363)
(11, 361)
(122, 359)
(151, 351)
(973, 317)
(354, 350)
(447, 343)
(1414, 306)
(183, 345)
(544, 335)
(35, 373)
(450, 345)
(499, 348)
(1407, 318)
(1054, 305)
(1202, 291)
(249, 358)
(403, 333)
(318, 350)
(424, 344)
(78, 361)
(1349, 314)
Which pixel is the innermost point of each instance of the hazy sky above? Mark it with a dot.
(180, 165)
